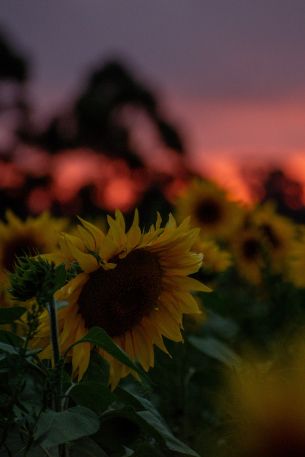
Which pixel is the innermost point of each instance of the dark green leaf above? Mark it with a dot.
(128, 452)
(60, 276)
(55, 428)
(16, 444)
(10, 338)
(8, 348)
(9, 315)
(216, 349)
(222, 326)
(156, 423)
(148, 418)
(98, 337)
(93, 395)
(98, 369)
(86, 447)
(134, 399)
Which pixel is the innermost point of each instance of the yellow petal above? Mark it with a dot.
(97, 234)
(87, 262)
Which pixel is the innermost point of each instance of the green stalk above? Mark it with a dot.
(54, 332)
(58, 365)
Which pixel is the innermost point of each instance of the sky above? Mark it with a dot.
(231, 73)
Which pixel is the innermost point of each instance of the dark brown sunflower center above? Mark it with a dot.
(251, 248)
(208, 211)
(271, 236)
(118, 299)
(18, 247)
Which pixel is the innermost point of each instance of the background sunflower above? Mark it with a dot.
(210, 209)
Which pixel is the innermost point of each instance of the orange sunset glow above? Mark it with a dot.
(229, 101)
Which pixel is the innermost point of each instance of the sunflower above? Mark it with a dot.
(247, 249)
(265, 403)
(134, 285)
(215, 259)
(210, 209)
(35, 235)
(278, 234)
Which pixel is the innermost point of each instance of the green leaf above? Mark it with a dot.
(98, 337)
(10, 315)
(56, 428)
(150, 420)
(93, 395)
(86, 447)
(156, 423)
(148, 450)
(133, 398)
(60, 276)
(10, 338)
(215, 349)
(222, 326)
(98, 369)
(16, 443)
(8, 348)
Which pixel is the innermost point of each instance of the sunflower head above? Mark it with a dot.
(210, 209)
(278, 234)
(248, 251)
(134, 285)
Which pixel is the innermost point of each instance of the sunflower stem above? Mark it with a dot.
(54, 332)
(56, 353)
(58, 366)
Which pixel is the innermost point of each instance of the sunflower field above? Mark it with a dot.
(173, 334)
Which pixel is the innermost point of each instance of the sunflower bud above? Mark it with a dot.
(36, 277)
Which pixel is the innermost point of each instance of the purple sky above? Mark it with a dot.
(232, 72)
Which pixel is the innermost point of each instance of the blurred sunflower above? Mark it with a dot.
(265, 402)
(278, 233)
(210, 209)
(134, 285)
(35, 235)
(247, 249)
(215, 259)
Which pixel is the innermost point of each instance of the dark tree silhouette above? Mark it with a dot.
(286, 192)
(96, 120)
(13, 65)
